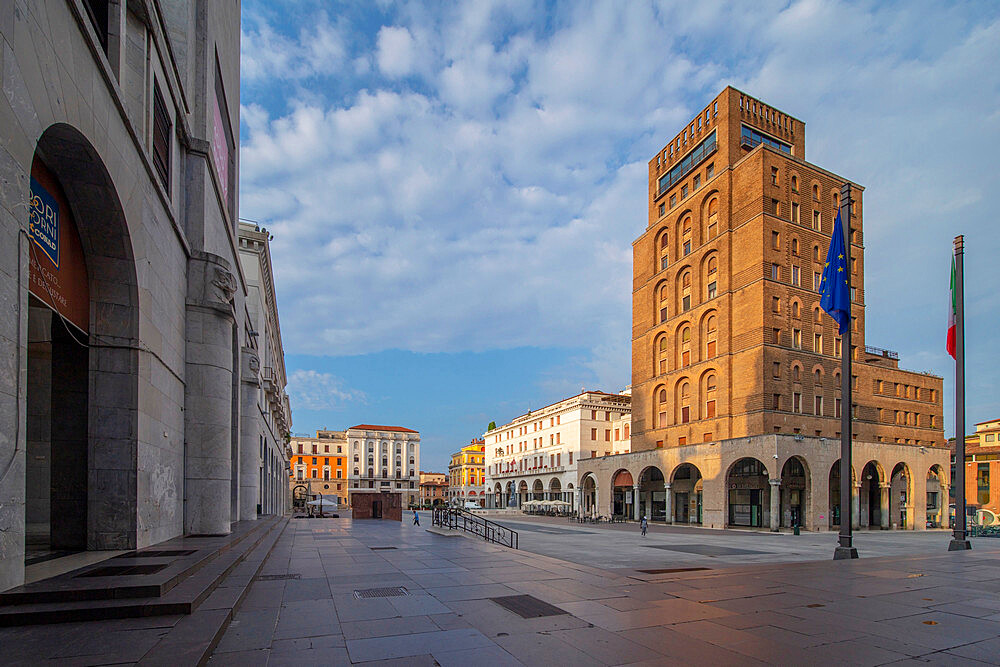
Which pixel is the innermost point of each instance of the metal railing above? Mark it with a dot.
(454, 518)
(878, 351)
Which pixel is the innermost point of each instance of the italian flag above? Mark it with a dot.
(951, 314)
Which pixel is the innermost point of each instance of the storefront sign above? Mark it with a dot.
(57, 272)
(43, 221)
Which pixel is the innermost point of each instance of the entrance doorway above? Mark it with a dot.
(376, 509)
(56, 436)
(745, 508)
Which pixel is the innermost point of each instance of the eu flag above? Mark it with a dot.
(835, 298)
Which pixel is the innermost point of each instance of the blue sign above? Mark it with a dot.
(43, 221)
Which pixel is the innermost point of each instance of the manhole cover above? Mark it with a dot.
(527, 606)
(278, 577)
(815, 604)
(122, 570)
(675, 569)
(391, 592)
(381, 548)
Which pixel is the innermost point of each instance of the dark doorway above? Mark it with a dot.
(745, 508)
(56, 475)
(376, 509)
(683, 513)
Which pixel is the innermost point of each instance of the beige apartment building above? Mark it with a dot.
(536, 455)
(736, 369)
(384, 458)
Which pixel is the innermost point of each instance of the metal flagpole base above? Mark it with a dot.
(844, 553)
(957, 545)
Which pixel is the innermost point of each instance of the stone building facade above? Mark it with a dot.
(319, 465)
(384, 458)
(129, 355)
(536, 455)
(736, 368)
(266, 414)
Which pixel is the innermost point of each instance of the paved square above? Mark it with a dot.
(939, 607)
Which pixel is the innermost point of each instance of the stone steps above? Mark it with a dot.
(150, 582)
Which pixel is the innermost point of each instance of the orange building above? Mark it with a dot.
(319, 465)
(982, 472)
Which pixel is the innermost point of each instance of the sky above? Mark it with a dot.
(453, 188)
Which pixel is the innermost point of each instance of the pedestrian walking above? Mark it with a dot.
(416, 518)
(643, 525)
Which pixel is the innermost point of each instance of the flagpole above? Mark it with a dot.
(959, 542)
(845, 549)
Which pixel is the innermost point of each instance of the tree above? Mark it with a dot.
(492, 426)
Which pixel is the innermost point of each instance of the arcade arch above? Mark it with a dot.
(685, 494)
(748, 497)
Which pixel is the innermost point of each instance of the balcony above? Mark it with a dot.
(528, 472)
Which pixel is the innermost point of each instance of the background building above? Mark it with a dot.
(131, 402)
(736, 369)
(466, 479)
(433, 488)
(982, 470)
(319, 464)
(536, 455)
(266, 414)
(384, 458)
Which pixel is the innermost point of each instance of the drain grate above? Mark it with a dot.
(158, 553)
(278, 577)
(675, 569)
(815, 605)
(122, 570)
(381, 548)
(390, 592)
(527, 606)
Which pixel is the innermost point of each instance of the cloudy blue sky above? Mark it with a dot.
(454, 188)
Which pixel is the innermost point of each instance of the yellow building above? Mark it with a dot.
(467, 474)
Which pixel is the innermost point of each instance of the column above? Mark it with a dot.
(942, 519)
(635, 502)
(884, 502)
(775, 504)
(855, 505)
(669, 504)
(250, 461)
(579, 501)
(208, 396)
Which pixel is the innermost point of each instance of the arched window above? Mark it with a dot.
(795, 183)
(710, 337)
(713, 265)
(371, 472)
(710, 396)
(796, 373)
(816, 192)
(795, 309)
(663, 251)
(686, 279)
(817, 315)
(664, 296)
(661, 408)
(818, 376)
(686, 229)
(713, 219)
(685, 347)
(357, 472)
(662, 351)
(795, 246)
(684, 402)
(816, 255)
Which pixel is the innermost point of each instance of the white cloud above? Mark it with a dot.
(396, 51)
(266, 54)
(487, 195)
(312, 390)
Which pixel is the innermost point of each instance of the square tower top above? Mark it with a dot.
(729, 127)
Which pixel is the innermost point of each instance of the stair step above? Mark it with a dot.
(181, 592)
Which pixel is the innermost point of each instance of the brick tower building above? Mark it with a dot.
(728, 337)
(736, 369)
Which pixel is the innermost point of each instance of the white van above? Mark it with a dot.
(470, 505)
